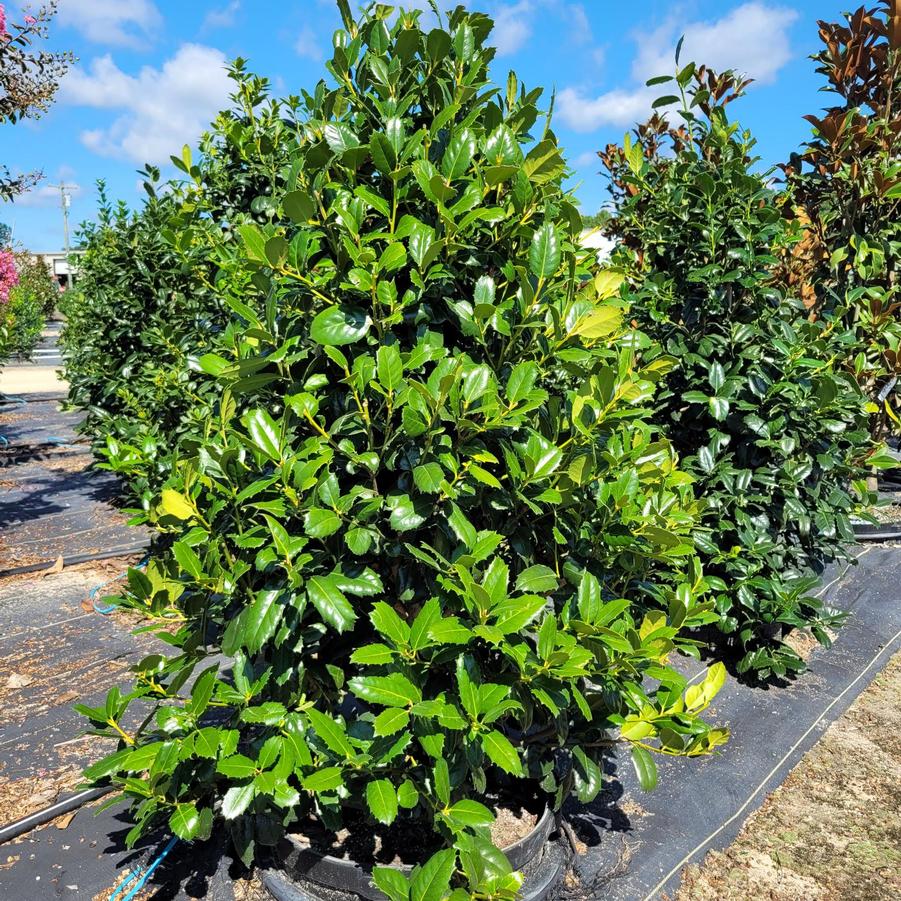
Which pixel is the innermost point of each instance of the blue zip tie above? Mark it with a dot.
(93, 592)
(146, 875)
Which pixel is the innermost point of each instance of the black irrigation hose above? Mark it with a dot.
(36, 399)
(75, 558)
(886, 532)
(38, 818)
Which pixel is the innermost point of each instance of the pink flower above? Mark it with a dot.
(30, 20)
(9, 275)
(3, 33)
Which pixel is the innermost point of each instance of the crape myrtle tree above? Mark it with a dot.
(25, 304)
(845, 191)
(771, 428)
(28, 80)
(425, 517)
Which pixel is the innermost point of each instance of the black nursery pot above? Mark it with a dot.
(307, 874)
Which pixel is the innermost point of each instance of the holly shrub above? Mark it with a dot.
(773, 431)
(846, 194)
(140, 309)
(136, 384)
(413, 544)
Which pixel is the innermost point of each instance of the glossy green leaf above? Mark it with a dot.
(545, 254)
(381, 797)
(340, 325)
(501, 752)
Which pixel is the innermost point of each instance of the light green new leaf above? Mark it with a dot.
(174, 504)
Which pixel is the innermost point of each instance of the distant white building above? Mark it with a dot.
(60, 267)
(593, 238)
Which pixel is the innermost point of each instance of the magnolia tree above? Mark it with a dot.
(845, 193)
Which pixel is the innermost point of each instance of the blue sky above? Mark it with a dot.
(150, 76)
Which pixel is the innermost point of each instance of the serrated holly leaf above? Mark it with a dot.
(331, 603)
(236, 800)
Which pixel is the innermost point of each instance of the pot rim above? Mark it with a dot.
(539, 833)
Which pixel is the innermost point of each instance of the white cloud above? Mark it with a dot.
(583, 160)
(162, 109)
(124, 24)
(223, 17)
(45, 195)
(752, 39)
(307, 44)
(515, 23)
(512, 26)
(580, 25)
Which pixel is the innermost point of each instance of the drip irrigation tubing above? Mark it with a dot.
(38, 818)
(75, 558)
(105, 611)
(143, 874)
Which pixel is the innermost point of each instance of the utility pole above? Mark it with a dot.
(66, 201)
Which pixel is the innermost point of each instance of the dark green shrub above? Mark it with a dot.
(772, 430)
(145, 304)
(422, 521)
(140, 309)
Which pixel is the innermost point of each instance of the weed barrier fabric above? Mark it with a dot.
(38, 422)
(52, 502)
(58, 506)
(638, 843)
(61, 655)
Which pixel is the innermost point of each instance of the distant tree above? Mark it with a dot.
(6, 235)
(28, 81)
(598, 220)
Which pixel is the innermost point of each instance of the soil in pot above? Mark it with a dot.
(407, 841)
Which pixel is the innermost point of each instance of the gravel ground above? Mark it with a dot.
(832, 830)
